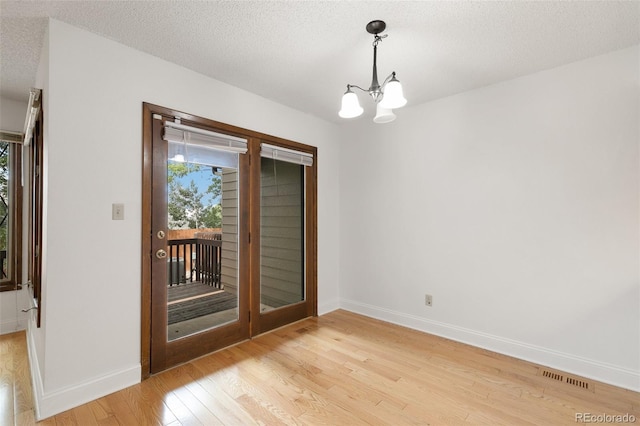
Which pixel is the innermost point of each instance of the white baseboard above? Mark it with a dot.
(328, 306)
(12, 325)
(614, 375)
(36, 376)
(50, 403)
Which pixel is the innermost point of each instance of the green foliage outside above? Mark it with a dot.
(187, 210)
(4, 193)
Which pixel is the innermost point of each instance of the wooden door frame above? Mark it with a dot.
(254, 138)
(35, 202)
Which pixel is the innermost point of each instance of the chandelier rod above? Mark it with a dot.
(374, 89)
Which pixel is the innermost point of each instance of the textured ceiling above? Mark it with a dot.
(303, 53)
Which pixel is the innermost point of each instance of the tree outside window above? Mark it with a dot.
(10, 215)
(4, 206)
(194, 196)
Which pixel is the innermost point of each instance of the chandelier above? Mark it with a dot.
(387, 96)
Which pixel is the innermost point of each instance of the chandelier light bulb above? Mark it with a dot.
(393, 96)
(350, 105)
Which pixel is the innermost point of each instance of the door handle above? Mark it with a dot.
(161, 254)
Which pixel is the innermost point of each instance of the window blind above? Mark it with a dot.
(11, 137)
(179, 133)
(286, 154)
(33, 110)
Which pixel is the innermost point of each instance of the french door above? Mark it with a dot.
(229, 236)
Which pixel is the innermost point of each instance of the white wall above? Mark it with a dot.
(12, 115)
(517, 207)
(11, 305)
(36, 336)
(93, 111)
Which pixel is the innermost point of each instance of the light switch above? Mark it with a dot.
(117, 211)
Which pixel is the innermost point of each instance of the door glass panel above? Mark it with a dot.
(202, 239)
(5, 209)
(282, 225)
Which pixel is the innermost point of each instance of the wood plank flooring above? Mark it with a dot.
(16, 400)
(338, 369)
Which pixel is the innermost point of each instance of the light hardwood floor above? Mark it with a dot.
(339, 369)
(16, 400)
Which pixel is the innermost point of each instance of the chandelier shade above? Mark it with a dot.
(350, 105)
(393, 96)
(387, 96)
(383, 115)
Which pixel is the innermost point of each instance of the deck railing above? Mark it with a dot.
(195, 259)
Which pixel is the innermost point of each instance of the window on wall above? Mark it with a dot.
(10, 211)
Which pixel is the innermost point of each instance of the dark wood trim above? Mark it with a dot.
(35, 153)
(38, 215)
(312, 235)
(249, 235)
(157, 361)
(145, 318)
(9, 285)
(254, 223)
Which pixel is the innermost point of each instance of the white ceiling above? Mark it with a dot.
(303, 53)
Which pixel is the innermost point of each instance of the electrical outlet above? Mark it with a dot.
(428, 300)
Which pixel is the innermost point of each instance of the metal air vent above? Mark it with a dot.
(560, 377)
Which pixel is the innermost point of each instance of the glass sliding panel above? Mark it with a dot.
(282, 242)
(202, 238)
